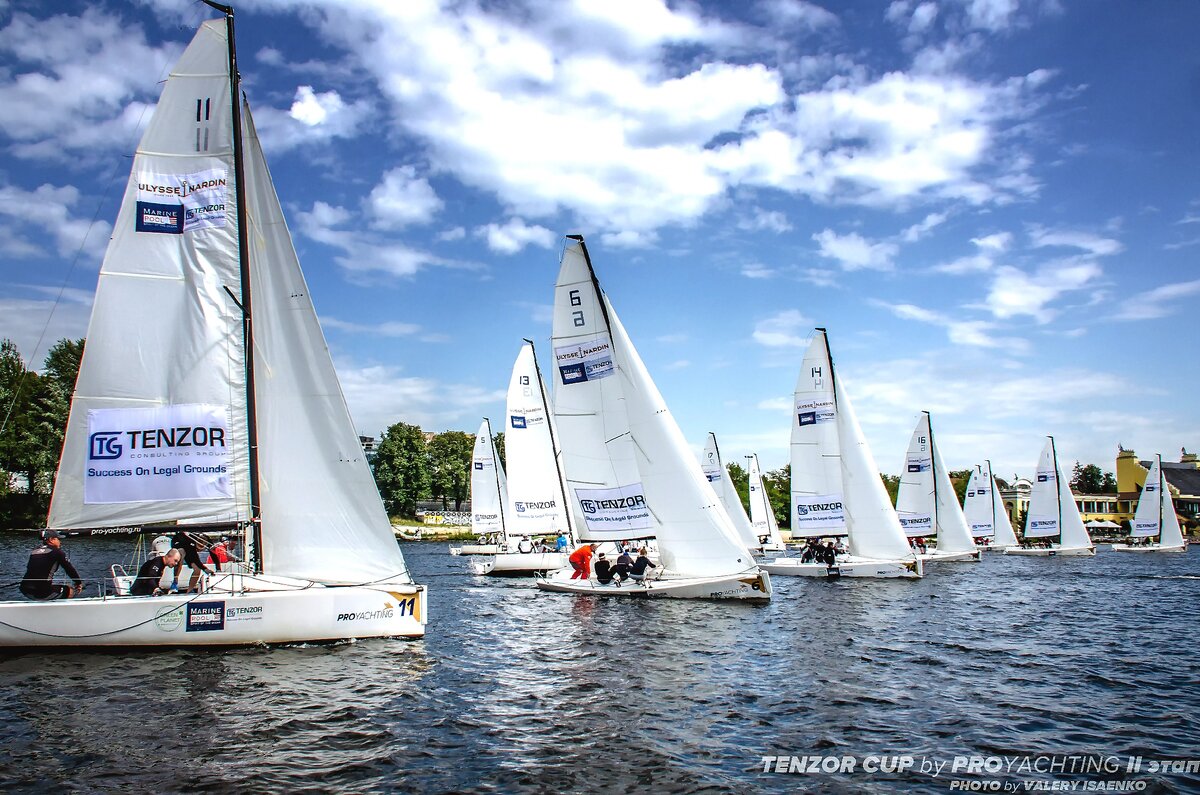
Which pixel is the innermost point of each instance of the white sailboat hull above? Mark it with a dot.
(236, 611)
(847, 567)
(1052, 552)
(970, 556)
(475, 549)
(518, 563)
(1149, 548)
(752, 585)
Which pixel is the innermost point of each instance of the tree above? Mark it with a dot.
(402, 469)
(498, 440)
(892, 484)
(960, 478)
(741, 484)
(778, 486)
(450, 467)
(1089, 479)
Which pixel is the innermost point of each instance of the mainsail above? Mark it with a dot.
(629, 470)
(159, 424)
(1052, 509)
(817, 486)
(1155, 514)
(762, 515)
(489, 493)
(718, 477)
(926, 503)
(984, 509)
(535, 486)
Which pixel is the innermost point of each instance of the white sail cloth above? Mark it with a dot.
(984, 509)
(166, 333)
(718, 477)
(926, 502)
(629, 470)
(535, 487)
(1155, 514)
(489, 495)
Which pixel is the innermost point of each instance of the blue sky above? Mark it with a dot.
(991, 204)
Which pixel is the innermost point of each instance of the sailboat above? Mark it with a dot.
(628, 468)
(1053, 526)
(762, 515)
(536, 500)
(1155, 520)
(718, 477)
(489, 495)
(926, 502)
(207, 392)
(836, 488)
(985, 513)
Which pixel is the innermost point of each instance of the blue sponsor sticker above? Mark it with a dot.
(162, 218)
(1043, 478)
(807, 418)
(572, 373)
(517, 422)
(205, 616)
(479, 465)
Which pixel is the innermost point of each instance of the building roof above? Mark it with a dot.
(1184, 477)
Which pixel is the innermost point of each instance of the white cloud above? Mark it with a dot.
(798, 14)
(77, 87)
(1085, 241)
(1157, 302)
(514, 235)
(972, 333)
(783, 330)
(853, 252)
(919, 230)
(452, 234)
(997, 242)
(979, 263)
(776, 404)
(754, 270)
(1014, 292)
(403, 198)
(47, 212)
(379, 396)
(365, 252)
(28, 322)
(993, 15)
(629, 239)
(387, 329)
(771, 220)
(313, 119)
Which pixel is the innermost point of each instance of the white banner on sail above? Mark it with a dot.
(918, 462)
(818, 511)
(150, 455)
(585, 361)
(814, 411)
(622, 508)
(917, 524)
(177, 203)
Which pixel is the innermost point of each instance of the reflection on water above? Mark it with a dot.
(517, 689)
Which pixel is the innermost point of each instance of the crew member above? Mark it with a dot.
(191, 556)
(151, 572)
(581, 561)
(38, 582)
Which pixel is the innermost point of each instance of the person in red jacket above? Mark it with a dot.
(581, 561)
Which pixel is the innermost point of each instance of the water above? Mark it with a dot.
(516, 690)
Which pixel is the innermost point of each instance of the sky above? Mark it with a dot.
(992, 205)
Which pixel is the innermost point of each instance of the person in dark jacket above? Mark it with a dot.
(624, 564)
(38, 582)
(638, 570)
(151, 572)
(604, 569)
(191, 558)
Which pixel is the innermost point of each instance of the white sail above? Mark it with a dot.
(1155, 514)
(1043, 517)
(1074, 531)
(762, 515)
(871, 521)
(718, 477)
(488, 488)
(535, 488)
(927, 491)
(984, 509)
(627, 464)
(164, 341)
(817, 488)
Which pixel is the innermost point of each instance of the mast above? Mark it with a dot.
(595, 282)
(239, 173)
(991, 484)
(554, 442)
(1161, 486)
(933, 471)
(1057, 487)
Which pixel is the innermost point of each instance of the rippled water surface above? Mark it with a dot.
(513, 689)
